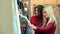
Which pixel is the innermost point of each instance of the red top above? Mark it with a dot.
(49, 29)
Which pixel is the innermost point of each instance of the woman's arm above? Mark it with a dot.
(46, 28)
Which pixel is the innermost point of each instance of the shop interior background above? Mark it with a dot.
(30, 4)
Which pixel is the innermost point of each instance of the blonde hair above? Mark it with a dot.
(50, 11)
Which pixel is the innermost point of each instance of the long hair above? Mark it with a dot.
(40, 9)
(50, 11)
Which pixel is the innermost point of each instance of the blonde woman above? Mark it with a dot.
(49, 22)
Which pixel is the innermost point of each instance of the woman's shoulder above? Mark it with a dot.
(51, 23)
(34, 17)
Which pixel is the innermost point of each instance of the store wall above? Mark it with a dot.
(58, 1)
(50, 1)
(41, 2)
(6, 17)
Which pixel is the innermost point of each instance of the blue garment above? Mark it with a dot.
(30, 31)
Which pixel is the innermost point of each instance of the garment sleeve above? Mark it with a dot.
(32, 20)
(46, 28)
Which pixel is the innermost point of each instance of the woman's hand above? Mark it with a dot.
(32, 27)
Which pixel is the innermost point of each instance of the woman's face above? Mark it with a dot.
(36, 11)
(45, 14)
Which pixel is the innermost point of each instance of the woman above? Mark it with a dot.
(37, 20)
(49, 22)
